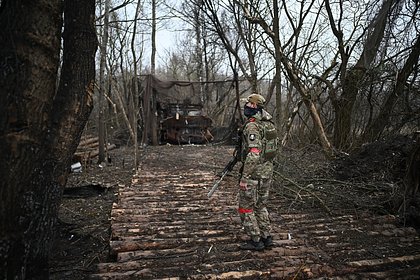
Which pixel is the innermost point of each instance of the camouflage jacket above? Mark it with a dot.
(254, 165)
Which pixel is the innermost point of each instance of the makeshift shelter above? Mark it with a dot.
(173, 112)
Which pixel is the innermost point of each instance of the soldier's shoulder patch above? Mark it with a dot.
(252, 137)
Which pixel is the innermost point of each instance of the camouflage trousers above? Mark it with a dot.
(253, 208)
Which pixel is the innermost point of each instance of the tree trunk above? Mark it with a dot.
(102, 86)
(412, 176)
(343, 108)
(74, 100)
(316, 119)
(29, 59)
(40, 127)
(153, 55)
(277, 77)
(134, 105)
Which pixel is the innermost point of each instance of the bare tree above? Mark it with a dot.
(252, 13)
(277, 55)
(231, 39)
(153, 55)
(246, 58)
(351, 76)
(375, 129)
(341, 75)
(119, 71)
(102, 82)
(135, 89)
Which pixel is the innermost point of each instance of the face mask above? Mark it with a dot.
(249, 112)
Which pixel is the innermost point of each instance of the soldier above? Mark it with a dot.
(259, 148)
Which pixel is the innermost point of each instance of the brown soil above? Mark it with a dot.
(83, 232)
(367, 181)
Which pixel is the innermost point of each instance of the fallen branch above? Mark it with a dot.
(306, 190)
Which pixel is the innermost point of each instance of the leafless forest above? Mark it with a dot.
(340, 78)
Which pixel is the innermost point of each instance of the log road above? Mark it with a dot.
(163, 226)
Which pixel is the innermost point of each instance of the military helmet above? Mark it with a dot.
(256, 99)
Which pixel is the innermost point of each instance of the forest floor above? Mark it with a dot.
(83, 232)
(366, 181)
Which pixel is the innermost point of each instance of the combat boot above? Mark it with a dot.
(252, 245)
(268, 241)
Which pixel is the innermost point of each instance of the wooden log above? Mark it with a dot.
(133, 243)
(125, 275)
(90, 146)
(149, 254)
(382, 261)
(87, 141)
(94, 153)
(249, 274)
(167, 234)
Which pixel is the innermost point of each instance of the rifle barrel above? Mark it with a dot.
(216, 185)
(226, 170)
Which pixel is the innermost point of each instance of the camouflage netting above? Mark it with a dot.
(171, 91)
(165, 99)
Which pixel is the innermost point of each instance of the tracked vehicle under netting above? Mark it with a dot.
(185, 124)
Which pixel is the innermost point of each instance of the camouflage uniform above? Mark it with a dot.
(257, 173)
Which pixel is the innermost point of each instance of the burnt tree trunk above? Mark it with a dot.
(412, 176)
(39, 126)
(29, 56)
(74, 101)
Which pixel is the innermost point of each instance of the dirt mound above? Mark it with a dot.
(384, 160)
(380, 167)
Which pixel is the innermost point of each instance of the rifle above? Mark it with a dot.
(226, 170)
(229, 166)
